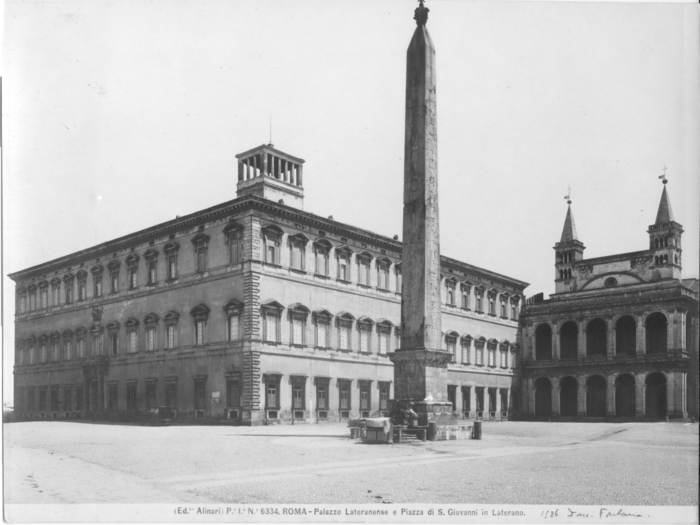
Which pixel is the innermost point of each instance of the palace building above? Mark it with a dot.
(619, 338)
(254, 311)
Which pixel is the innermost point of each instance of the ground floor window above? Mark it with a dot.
(298, 392)
(322, 397)
(383, 396)
(54, 398)
(42, 399)
(171, 394)
(131, 396)
(79, 398)
(344, 394)
(200, 388)
(31, 406)
(452, 396)
(151, 397)
(112, 392)
(365, 396)
(466, 398)
(67, 401)
(233, 393)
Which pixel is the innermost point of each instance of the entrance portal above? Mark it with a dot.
(624, 396)
(655, 396)
(568, 397)
(595, 396)
(543, 397)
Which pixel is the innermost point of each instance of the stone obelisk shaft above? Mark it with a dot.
(420, 307)
(420, 366)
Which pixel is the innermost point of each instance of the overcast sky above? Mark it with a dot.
(120, 115)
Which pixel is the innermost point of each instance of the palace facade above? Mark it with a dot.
(619, 338)
(249, 312)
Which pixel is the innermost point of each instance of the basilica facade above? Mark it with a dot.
(619, 338)
(249, 312)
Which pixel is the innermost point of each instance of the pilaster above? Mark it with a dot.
(610, 396)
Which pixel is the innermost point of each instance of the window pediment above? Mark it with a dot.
(452, 336)
(97, 329)
(272, 308)
(151, 319)
(172, 317)
(322, 316)
(467, 339)
(19, 343)
(272, 231)
(322, 245)
(32, 287)
(298, 239)
(344, 252)
(515, 299)
(67, 333)
(132, 259)
(113, 265)
(132, 322)
(233, 228)
(233, 307)
(55, 281)
(201, 239)
(364, 257)
(201, 311)
(298, 311)
(365, 322)
(81, 275)
(150, 254)
(114, 326)
(31, 340)
(171, 248)
(55, 335)
(43, 285)
(384, 326)
(344, 319)
(80, 331)
(97, 270)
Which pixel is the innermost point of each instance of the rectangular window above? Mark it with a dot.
(234, 327)
(113, 344)
(112, 393)
(363, 272)
(492, 306)
(81, 348)
(383, 276)
(55, 355)
(364, 341)
(97, 345)
(201, 259)
(478, 303)
(44, 297)
(504, 359)
(114, 277)
(55, 291)
(32, 300)
(321, 334)
(172, 267)
(98, 286)
(398, 280)
(322, 397)
(297, 257)
(171, 394)
(450, 295)
(492, 357)
(69, 294)
(465, 299)
(322, 263)
(344, 397)
(343, 269)
(271, 328)
(133, 339)
(133, 276)
(452, 349)
(344, 337)
(131, 399)
(271, 253)
(383, 342)
(480, 355)
(172, 336)
(151, 399)
(465, 353)
(150, 338)
(383, 398)
(514, 311)
(298, 397)
(200, 389)
(271, 398)
(82, 290)
(68, 350)
(503, 309)
(152, 277)
(234, 249)
(199, 335)
(54, 399)
(364, 398)
(233, 393)
(22, 304)
(298, 331)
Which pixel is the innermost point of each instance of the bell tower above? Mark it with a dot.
(665, 240)
(568, 251)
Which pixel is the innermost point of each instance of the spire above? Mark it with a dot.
(569, 231)
(665, 213)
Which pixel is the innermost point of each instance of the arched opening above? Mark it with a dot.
(568, 397)
(655, 396)
(568, 338)
(656, 327)
(543, 342)
(543, 397)
(626, 336)
(595, 396)
(596, 337)
(624, 396)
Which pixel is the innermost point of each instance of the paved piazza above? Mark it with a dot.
(515, 463)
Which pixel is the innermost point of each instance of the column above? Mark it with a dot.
(458, 399)
(610, 396)
(556, 409)
(498, 403)
(247, 169)
(582, 339)
(611, 339)
(639, 395)
(681, 394)
(472, 401)
(299, 175)
(640, 334)
(240, 171)
(531, 397)
(555, 344)
(671, 410)
(581, 396)
(670, 330)
(487, 405)
(264, 167)
(682, 319)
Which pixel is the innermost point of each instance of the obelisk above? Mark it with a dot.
(420, 366)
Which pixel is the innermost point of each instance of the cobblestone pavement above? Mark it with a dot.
(514, 463)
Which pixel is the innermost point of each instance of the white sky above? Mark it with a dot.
(121, 115)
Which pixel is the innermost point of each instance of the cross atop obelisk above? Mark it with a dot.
(420, 366)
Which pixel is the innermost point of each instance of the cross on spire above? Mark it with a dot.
(568, 195)
(663, 177)
(421, 13)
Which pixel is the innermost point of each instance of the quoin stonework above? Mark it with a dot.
(619, 338)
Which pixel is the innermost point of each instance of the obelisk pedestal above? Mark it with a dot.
(420, 366)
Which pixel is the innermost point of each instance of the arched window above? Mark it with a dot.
(543, 398)
(596, 338)
(543, 342)
(626, 336)
(624, 396)
(568, 397)
(595, 396)
(610, 282)
(568, 339)
(656, 332)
